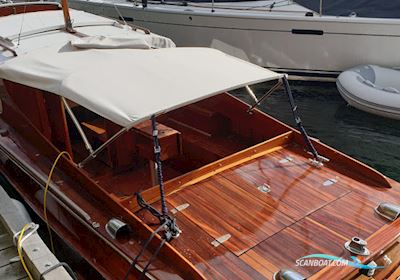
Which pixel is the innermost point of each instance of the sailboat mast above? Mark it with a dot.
(67, 18)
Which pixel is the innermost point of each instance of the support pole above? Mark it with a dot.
(77, 125)
(298, 121)
(258, 101)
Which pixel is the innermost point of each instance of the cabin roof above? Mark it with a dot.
(26, 32)
(127, 86)
(28, 23)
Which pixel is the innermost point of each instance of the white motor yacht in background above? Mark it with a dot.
(280, 35)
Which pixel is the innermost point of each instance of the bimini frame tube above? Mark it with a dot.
(94, 153)
(258, 101)
(281, 81)
(77, 125)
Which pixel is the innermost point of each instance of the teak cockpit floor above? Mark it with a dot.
(308, 210)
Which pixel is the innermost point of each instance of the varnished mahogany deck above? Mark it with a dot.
(270, 231)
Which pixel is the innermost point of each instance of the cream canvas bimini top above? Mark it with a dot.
(127, 86)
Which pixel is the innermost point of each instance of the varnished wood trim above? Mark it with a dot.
(325, 228)
(18, 8)
(152, 195)
(376, 245)
(262, 265)
(395, 274)
(342, 162)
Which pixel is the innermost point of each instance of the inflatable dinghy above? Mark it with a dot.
(373, 89)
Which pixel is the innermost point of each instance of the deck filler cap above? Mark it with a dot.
(388, 210)
(357, 246)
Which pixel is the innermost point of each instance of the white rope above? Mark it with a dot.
(32, 227)
(118, 12)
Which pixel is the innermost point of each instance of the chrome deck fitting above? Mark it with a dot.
(357, 246)
(264, 188)
(286, 274)
(180, 208)
(388, 210)
(116, 228)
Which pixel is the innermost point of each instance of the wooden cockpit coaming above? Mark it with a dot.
(18, 8)
(217, 171)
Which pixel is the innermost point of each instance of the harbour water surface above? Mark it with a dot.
(371, 139)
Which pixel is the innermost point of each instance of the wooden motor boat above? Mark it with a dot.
(231, 194)
(372, 88)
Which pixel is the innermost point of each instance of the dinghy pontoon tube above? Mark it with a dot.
(373, 89)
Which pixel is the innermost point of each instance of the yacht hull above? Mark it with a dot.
(316, 46)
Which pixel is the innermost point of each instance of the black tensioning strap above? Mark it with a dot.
(298, 121)
(135, 260)
(157, 154)
(142, 203)
(153, 257)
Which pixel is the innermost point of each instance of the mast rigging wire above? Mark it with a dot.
(22, 24)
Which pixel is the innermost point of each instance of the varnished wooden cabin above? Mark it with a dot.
(248, 198)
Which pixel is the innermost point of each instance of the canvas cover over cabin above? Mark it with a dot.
(127, 86)
(122, 76)
(125, 80)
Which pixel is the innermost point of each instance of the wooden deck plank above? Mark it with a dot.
(301, 239)
(352, 215)
(296, 187)
(395, 275)
(6, 255)
(13, 271)
(220, 207)
(326, 215)
(5, 241)
(195, 245)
